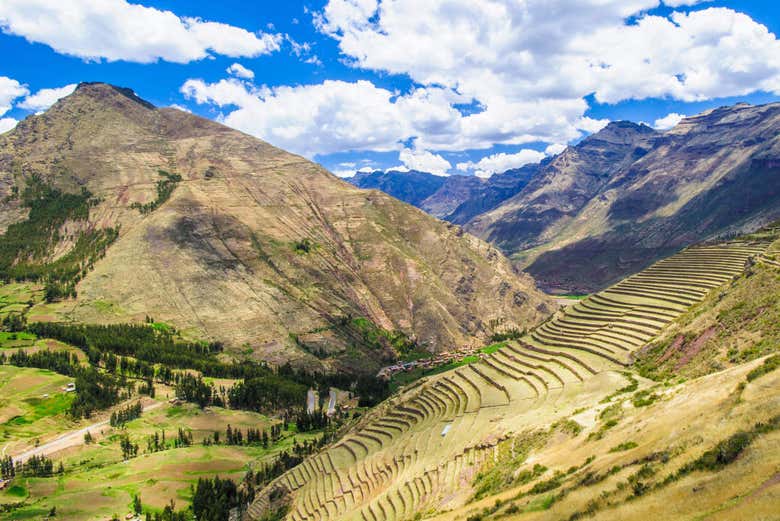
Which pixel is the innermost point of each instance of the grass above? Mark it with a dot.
(97, 483)
(25, 410)
(746, 318)
(769, 365)
(644, 398)
(492, 348)
(407, 377)
(626, 445)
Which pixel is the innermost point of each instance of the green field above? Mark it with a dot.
(97, 483)
(32, 405)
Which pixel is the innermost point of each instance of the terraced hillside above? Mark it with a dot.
(612, 324)
(420, 452)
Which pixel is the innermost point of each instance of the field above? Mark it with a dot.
(98, 483)
(18, 297)
(32, 406)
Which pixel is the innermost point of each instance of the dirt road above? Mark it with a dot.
(69, 439)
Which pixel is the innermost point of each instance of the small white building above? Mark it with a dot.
(71, 387)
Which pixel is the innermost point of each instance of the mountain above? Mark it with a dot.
(456, 198)
(153, 212)
(628, 195)
(412, 187)
(437, 195)
(456, 190)
(495, 190)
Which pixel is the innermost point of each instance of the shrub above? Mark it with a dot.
(769, 365)
(627, 445)
(644, 398)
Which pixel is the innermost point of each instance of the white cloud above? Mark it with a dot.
(240, 71)
(336, 116)
(424, 161)
(501, 162)
(679, 3)
(117, 30)
(554, 149)
(7, 124)
(564, 49)
(329, 117)
(527, 66)
(180, 107)
(668, 121)
(530, 64)
(590, 125)
(45, 98)
(10, 90)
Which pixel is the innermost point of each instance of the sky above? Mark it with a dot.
(470, 87)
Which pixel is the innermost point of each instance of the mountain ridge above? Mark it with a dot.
(302, 252)
(628, 195)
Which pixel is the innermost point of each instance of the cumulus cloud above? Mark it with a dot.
(336, 116)
(564, 49)
(10, 90)
(529, 65)
(680, 3)
(424, 161)
(668, 121)
(590, 125)
(316, 119)
(179, 107)
(7, 124)
(45, 98)
(489, 165)
(526, 67)
(117, 30)
(240, 71)
(554, 149)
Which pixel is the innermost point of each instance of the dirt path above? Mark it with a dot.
(69, 439)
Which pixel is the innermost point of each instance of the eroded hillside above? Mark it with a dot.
(231, 239)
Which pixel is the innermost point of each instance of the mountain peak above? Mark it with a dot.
(620, 132)
(105, 91)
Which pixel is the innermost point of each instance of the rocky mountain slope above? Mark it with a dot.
(457, 198)
(629, 195)
(412, 187)
(228, 238)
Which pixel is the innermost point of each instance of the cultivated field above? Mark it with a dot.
(98, 483)
(32, 406)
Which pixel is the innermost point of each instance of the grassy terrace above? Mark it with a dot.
(614, 323)
(411, 453)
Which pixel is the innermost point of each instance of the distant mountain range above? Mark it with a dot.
(623, 197)
(456, 198)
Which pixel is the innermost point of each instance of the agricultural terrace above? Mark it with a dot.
(415, 452)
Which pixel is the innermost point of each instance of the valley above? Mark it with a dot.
(181, 304)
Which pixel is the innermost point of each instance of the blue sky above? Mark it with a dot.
(457, 87)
